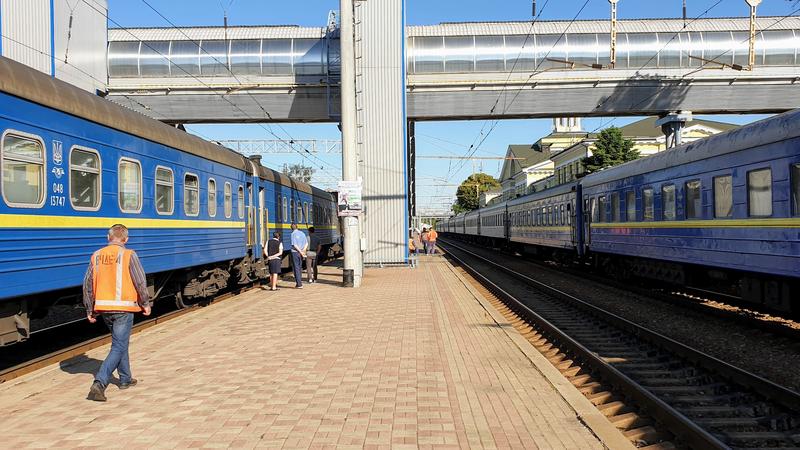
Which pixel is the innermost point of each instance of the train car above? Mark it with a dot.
(548, 220)
(493, 224)
(325, 221)
(73, 164)
(444, 225)
(721, 212)
(458, 224)
(472, 223)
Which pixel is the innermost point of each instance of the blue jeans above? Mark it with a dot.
(120, 325)
(297, 267)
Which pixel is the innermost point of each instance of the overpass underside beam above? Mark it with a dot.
(459, 101)
(629, 98)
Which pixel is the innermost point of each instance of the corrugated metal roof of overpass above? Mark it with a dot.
(461, 29)
(200, 33)
(603, 26)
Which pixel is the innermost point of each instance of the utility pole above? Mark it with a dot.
(613, 58)
(353, 265)
(753, 5)
(684, 13)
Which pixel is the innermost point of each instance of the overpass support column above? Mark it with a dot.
(672, 125)
(381, 128)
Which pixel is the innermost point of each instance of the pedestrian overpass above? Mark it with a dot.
(463, 70)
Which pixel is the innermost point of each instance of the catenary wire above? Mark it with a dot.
(235, 106)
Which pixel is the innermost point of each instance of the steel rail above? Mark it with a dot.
(682, 426)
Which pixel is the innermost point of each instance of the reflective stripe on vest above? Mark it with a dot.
(113, 286)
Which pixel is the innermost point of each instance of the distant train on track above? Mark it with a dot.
(721, 213)
(73, 164)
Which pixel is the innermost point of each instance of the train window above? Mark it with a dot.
(285, 216)
(228, 200)
(759, 192)
(212, 197)
(647, 204)
(84, 179)
(630, 206)
(240, 202)
(309, 214)
(592, 210)
(723, 196)
(668, 202)
(563, 215)
(601, 209)
(165, 190)
(300, 214)
(191, 195)
(569, 214)
(291, 211)
(694, 204)
(129, 185)
(795, 189)
(615, 207)
(23, 170)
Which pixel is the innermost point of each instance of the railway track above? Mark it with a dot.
(61, 355)
(706, 302)
(659, 392)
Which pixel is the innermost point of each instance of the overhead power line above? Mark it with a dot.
(210, 88)
(684, 77)
(519, 90)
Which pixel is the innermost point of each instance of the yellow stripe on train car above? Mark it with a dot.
(714, 223)
(37, 221)
(302, 226)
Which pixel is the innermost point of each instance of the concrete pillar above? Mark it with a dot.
(352, 237)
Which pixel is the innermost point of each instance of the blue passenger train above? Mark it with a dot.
(73, 164)
(722, 213)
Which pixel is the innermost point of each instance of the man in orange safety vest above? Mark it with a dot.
(115, 287)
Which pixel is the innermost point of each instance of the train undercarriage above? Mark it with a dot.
(765, 292)
(23, 316)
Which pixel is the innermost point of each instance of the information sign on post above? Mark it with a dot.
(349, 198)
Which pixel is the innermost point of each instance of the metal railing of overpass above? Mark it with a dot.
(455, 69)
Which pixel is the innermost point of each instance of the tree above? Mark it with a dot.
(298, 172)
(470, 189)
(611, 149)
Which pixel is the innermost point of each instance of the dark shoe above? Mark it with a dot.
(128, 384)
(97, 392)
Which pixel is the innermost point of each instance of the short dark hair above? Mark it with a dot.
(276, 234)
(311, 229)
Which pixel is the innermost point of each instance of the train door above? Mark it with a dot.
(571, 222)
(589, 208)
(262, 214)
(251, 223)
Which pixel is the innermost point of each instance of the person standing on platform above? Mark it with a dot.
(315, 248)
(299, 247)
(424, 239)
(415, 238)
(115, 287)
(432, 235)
(274, 254)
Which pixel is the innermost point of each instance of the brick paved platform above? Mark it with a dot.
(411, 359)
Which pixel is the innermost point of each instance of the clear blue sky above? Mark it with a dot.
(433, 138)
